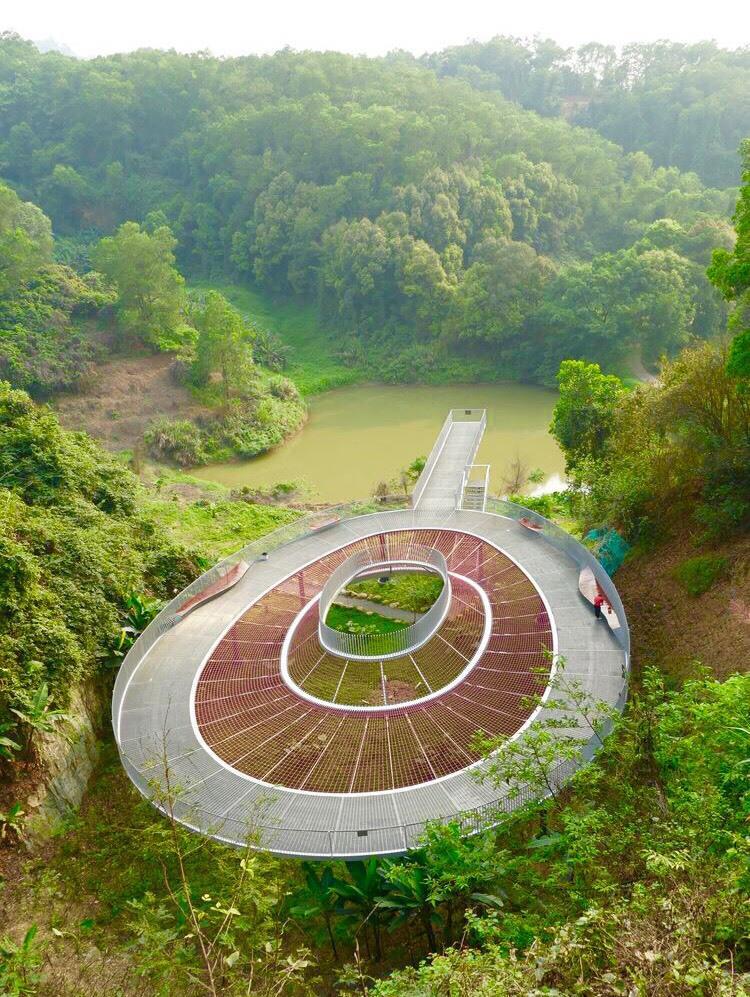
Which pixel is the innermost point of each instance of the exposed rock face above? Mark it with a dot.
(67, 759)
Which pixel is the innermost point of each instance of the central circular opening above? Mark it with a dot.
(377, 682)
(384, 601)
(375, 607)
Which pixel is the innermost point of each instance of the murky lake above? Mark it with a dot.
(358, 436)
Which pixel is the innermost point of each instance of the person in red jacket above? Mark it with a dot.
(598, 603)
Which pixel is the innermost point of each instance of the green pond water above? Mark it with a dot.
(358, 436)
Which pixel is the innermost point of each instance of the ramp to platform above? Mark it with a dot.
(439, 485)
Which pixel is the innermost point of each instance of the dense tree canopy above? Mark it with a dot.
(44, 306)
(416, 204)
(730, 271)
(685, 105)
(649, 458)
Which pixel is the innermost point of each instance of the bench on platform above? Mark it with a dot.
(325, 524)
(590, 589)
(530, 524)
(217, 587)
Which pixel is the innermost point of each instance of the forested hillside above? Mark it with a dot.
(685, 105)
(423, 215)
(55, 323)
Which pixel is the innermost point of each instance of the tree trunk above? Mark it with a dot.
(330, 936)
(376, 935)
(429, 931)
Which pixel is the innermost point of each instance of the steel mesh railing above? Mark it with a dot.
(562, 541)
(305, 525)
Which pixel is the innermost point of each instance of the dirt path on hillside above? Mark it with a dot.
(124, 397)
(639, 370)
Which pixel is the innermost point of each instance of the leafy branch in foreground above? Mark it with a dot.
(538, 762)
(227, 940)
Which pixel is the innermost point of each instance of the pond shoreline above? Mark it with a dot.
(358, 436)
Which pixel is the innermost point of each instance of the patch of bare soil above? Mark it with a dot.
(396, 691)
(674, 629)
(123, 396)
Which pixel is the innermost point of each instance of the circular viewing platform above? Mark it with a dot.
(275, 737)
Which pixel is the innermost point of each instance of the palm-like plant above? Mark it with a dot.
(36, 711)
(11, 822)
(137, 613)
(409, 896)
(363, 892)
(317, 898)
(8, 745)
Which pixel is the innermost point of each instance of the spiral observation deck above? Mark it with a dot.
(273, 739)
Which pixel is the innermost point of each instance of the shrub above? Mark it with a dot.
(248, 430)
(179, 371)
(269, 349)
(175, 440)
(283, 388)
(415, 363)
(73, 546)
(542, 504)
(698, 574)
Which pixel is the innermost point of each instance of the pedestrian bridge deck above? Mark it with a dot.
(439, 485)
(167, 702)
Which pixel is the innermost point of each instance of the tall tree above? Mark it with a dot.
(730, 272)
(150, 289)
(25, 241)
(224, 344)
(585, 413)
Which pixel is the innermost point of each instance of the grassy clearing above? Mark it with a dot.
(202, 515)
(339, 618)
(415, 591)
(313, 364)
(678, 628)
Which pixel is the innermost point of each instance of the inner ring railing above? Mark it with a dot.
(383, 645)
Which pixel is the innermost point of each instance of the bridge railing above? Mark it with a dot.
(478, 415)
(432, 459)
(481, 426)
(477, 475)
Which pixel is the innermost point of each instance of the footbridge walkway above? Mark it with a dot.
(229, 695)
(440, 485)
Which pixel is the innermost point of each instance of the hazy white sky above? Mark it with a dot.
(234, 27)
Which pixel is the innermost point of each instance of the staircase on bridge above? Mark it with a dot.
(474, 487)
(447, 481)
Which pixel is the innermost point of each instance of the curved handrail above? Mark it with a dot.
(565, 542)
(383, 645)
